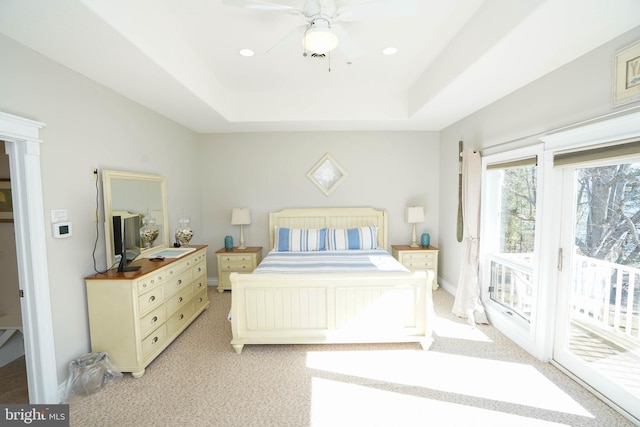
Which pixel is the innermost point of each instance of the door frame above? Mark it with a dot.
(607, 131)
(22, 145)
(526, 335)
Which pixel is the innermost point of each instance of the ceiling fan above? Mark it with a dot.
(321, 33)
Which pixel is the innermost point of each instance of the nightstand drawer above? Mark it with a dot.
(418, 260)
(237, 259)
(247, 268)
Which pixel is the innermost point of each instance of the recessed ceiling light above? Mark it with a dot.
(390, 50)
(246, 52)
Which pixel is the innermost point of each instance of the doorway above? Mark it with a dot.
(22, 145)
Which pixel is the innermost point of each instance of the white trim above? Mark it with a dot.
(617, 129)
(22, 145)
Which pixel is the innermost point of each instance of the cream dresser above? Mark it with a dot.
(238, 261)
(134, 316)
(418, 259)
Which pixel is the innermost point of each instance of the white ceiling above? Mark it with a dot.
(180, 58)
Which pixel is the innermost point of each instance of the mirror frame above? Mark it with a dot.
(107, 177)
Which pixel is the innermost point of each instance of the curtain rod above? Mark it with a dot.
(567, 127)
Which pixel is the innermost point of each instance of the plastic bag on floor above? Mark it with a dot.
(88, 374)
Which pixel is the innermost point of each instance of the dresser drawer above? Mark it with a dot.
(200, 269)
(177, 283)
(199, 257)
(200, 299)
(152, 320)
(174, 270)
(199, 284)
(150, 300)
(178, 300)
(179, 319)
(154, 342)
(150, 281)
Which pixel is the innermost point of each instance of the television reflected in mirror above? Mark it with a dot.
(126, 240)
(129, 193)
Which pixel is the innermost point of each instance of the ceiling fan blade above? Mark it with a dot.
(259, 5)
(346, 44)
(377, 9)
(294, 38)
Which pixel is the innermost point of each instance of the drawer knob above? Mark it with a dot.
(181, 316)
(155, 319)
(179, 282)
(200, 299)
(152, 281)
(152, 298)
(180, 299)
(154, 340)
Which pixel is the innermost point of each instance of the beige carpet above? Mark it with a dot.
(470, 377)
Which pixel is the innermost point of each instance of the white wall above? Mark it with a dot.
(89, 126)
(578, 91)
(267, 172)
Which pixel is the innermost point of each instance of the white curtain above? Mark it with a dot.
(467, 303)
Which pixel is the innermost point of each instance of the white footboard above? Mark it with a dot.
(331, 308)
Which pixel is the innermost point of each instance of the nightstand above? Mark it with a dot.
(236, 260)
(418, 259)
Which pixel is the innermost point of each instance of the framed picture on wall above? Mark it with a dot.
(626, 75)
(6, 205)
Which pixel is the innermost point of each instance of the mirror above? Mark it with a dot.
(135, 193)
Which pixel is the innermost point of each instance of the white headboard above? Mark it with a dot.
(329, 217)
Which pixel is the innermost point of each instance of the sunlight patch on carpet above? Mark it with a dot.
(482, 378)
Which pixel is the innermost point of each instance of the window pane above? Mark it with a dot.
(513, 235)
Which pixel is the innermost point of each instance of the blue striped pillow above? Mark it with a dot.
(300, 239)
(352, 238)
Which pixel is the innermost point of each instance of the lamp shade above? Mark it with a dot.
(415, 214)
(240, 216)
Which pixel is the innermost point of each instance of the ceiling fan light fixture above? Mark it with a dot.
(319, 38)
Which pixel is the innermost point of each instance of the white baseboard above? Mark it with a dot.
(447, 286)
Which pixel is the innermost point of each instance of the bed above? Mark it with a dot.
(315, 307)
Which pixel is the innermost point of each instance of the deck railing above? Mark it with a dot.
(607, 296)
(512, 282)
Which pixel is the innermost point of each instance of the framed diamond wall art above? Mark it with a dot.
(327, 174)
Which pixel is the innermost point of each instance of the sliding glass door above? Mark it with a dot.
(598, 315)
